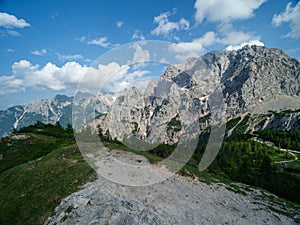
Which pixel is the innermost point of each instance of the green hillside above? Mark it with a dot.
(41, 164)
(37, 171)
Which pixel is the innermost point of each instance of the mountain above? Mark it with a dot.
(56, 109)
(254, 91)
(255, 81)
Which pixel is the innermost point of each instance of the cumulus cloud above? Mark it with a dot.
(120, 23)
(197, 45)
(138, 35)
(10, 84)
(111, 77)
(291, 15)
(250, 43)
(49, 77)
(39, 52)
(11, 21)
(235, 40)
(165, 26)
(140, 54)
(124, 78)
(225, 10)
(102, 41)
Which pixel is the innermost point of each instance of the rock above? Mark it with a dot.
(80, 201)
(60, 217)
(178, 200)
(253, 79)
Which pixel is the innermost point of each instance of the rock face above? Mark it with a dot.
(178, 200)
(249, 79)
(52, 110)
(56, 109)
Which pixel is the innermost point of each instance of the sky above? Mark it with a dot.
(47, 47)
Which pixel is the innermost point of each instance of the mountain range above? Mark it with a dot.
(256, 81)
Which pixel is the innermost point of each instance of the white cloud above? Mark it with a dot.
(120, 77)
(165, 26)
(55, 14)
(13, 33)
(10, 50)
(197, 45)
(102, 41)
(112, 77)
(69, 57)
(250, 43)
(81, 39)
(10, 84)
(138, 35)
(120, 23)
(49, 77)
(194, 48)
(225, 10)
(228, 35)
(39, 52)
(10, 21)
(292, 17)
(140, 54)
(235, 40)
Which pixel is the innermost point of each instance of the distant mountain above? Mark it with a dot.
(51, 111)
(56, 109)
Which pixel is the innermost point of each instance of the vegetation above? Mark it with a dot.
(36, 141)
(40, 165)
(174, 124)
(289, 139)
(37, 171)
(240, 159)
(50, 130)
(245, 160)
(252, 163)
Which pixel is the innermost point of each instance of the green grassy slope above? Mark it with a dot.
(36, 174)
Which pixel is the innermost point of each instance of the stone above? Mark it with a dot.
(249, 79)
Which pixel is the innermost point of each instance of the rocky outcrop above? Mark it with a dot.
(177, 200)
(249, 79)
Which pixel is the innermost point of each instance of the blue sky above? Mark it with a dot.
(47, 46)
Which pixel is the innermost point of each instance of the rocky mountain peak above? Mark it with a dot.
(248, 78)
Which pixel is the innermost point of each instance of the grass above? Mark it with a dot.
(15, 152)
(38, 172)
(30, 191)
